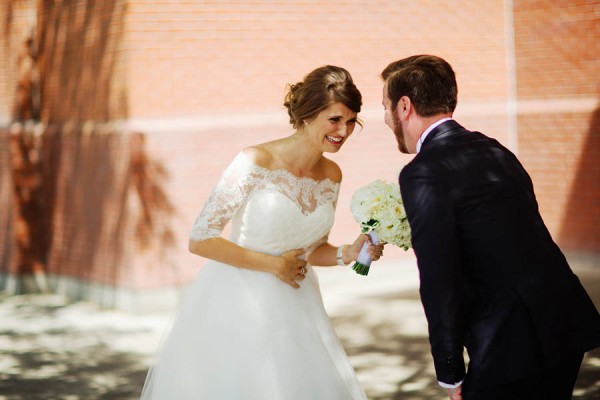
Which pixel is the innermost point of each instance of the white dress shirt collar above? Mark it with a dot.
(424, 135)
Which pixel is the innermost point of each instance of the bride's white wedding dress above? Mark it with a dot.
(246, 335)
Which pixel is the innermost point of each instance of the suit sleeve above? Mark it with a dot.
(431, 214)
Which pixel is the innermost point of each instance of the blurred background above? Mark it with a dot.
(118, 116)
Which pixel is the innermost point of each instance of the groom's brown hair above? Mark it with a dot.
(428, 81)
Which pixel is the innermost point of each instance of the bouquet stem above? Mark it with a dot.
(363, 261)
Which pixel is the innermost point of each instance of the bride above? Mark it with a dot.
(252, 326)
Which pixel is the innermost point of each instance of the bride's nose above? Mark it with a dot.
(343, 130)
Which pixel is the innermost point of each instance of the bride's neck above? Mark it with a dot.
(298, 155)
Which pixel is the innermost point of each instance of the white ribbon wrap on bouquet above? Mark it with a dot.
(363, 257)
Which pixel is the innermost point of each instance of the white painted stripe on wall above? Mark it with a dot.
(559, 105)
(279, 118)
(465, 109)
(209, 122)
(4, 120)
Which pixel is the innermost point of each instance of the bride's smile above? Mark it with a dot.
(330, 129)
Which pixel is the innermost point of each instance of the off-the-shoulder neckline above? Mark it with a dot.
(287, 172)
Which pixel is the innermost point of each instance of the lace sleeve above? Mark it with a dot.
(232, 190)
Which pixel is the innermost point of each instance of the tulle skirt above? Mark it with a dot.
(245, 335)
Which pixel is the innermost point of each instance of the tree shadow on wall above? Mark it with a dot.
(108, 201)
(86, 169)
(81, 56)
(580, 228)
(148, 178)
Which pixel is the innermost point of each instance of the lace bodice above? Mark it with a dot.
(270, 210)
(204, 356)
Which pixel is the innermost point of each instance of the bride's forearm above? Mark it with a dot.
(227, 252)
(326, 255)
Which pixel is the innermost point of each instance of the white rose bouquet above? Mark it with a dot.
(378, 208)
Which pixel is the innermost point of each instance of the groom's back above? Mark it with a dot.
(505, 247)
(496, 211)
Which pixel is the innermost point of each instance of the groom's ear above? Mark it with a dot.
(404, 107)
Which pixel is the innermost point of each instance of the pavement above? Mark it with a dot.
(53, 349)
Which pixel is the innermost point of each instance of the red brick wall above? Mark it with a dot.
(5, 99)
(13, 33)
(215, 57)
(168, 92)
(558, 65)
(7, 239)
(557, 48)
(219, 71)
(6, 232)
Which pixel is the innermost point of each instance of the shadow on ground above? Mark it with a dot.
(393, 359)
(49, 353)
(53, 350)
(95, 373)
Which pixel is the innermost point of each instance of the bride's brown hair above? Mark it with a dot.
(321, 87)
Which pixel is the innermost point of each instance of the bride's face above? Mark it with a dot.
(330, 129)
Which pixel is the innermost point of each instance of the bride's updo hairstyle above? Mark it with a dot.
(321, 87)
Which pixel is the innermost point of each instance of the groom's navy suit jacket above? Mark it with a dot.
(492, 278)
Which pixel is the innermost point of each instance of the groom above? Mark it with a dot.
(492, 279)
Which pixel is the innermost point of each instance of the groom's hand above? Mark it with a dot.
(455, 393)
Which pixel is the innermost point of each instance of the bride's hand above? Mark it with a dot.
(291, 268)
(374, 250)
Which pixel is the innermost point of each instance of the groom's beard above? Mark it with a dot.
(399, 133)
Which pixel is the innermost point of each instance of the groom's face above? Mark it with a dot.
(392, 120)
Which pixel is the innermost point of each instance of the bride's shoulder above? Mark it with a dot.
(331, 170)
(259, 155)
